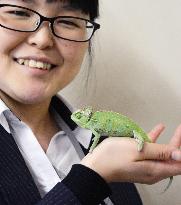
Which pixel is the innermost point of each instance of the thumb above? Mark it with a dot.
(161, 152)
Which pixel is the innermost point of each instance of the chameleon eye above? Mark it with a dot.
(78, 115)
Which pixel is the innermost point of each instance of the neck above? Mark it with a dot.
(28, 113)
(36, 116)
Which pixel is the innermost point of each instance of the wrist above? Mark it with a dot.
(88, 186)
(96, 167)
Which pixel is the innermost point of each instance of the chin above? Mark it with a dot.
(31, 98)
(27, 96)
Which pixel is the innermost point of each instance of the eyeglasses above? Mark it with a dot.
(18, 18)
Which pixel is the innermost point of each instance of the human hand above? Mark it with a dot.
(116, 159)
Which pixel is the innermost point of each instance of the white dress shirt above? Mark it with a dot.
(59, 157)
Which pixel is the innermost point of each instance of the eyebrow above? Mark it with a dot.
(33, 1)
(27, 1)
(65, 4)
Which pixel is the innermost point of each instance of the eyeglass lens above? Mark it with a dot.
(22, 19)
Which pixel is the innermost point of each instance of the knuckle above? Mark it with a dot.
(164, 155)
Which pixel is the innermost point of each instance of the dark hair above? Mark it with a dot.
(90, 7)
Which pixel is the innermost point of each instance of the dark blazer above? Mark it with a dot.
(18, 188)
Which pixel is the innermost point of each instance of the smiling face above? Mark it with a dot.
(35, 66)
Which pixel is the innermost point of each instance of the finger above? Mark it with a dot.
(161, 152)
(156, 131)
(176, 155)
(158, 170)
(176, 139)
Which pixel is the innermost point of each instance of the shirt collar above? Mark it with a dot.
(3, 121)
(3, 107)
(82, 135)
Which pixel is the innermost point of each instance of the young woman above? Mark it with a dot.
(43, 154)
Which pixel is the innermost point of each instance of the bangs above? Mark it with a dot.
(89, 7)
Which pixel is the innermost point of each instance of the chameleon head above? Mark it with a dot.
(82, 116)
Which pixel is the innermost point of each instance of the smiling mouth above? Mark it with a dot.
(34, 64)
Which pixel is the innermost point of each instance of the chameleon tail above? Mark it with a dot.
(140, 141)
(169, 183)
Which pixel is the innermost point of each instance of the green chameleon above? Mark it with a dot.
(108, 123)
(112, 124)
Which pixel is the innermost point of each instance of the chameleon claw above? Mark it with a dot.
(139, 140)
(140, 146)
(90, 150)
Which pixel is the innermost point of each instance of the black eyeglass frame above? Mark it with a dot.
(51, 22)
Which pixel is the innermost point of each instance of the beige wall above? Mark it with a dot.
(137, 71)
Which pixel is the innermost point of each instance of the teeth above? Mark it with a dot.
(20, 61)
(34, 64)
(26, 62)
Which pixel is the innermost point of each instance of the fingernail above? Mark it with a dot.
(176, 155)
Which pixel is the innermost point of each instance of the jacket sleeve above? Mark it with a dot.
(82, 186)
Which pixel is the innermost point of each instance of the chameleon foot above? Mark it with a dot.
(95, 142)
(139, 140)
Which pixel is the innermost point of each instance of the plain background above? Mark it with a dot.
(137, 71)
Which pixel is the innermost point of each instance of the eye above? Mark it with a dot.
(78, 115)
(21, 13)
(67, 23)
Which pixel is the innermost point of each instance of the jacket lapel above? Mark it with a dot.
(63, 111)
(16, 183)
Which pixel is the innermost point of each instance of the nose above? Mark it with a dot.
(42, 38)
